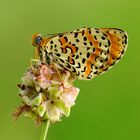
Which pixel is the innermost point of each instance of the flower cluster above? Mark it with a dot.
(47, 92)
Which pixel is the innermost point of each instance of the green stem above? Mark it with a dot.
(45, 130)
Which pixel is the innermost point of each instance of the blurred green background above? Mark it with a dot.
(108, 107)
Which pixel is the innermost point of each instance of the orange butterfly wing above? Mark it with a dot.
(88, 52)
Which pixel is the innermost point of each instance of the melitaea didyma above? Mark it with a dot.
(86, 52)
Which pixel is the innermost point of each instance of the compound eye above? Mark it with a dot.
(38, 40)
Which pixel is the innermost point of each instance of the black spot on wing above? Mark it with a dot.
(89, 30)
(119, 57)
(76, 49)
(79, 65)
(75, 34)
(96, 72)
(77, 56)
(101, 61)
(85, 38)
(83, 32)
(84, 69)
(100, 44)
(85, 43)
(73, 55)
(103, 38)
(61, 60)
(96, 58)
(60, 41)
(122, 51)
(66, 39)
(73, 69)
(51, 47)
(104, 34)
(109, 43)
(97, 31)
(92, 66)
(95, 37)
(88, 54)
(68, 65)
(55, 50)
(101, 52)
(90, 43)
(93, 50)
(106, 59)
(77, 40)
(78, 73)
(57, 54)
(96, 67)
(83, 60)
(88, 77)
(51, 42)
(101, 66)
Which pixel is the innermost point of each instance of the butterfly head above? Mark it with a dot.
(36, 40)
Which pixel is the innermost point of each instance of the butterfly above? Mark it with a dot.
(85, 52)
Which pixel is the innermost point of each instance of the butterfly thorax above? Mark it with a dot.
(43, 52)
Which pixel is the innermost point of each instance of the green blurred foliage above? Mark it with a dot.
(108, 107)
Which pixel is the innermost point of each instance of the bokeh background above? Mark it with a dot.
(108, 107)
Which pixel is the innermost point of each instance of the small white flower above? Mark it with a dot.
(45, 94)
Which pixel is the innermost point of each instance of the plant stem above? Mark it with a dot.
(45, 130)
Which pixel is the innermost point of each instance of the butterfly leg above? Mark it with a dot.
(31, 63)
(58, 71)
(35, 60)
